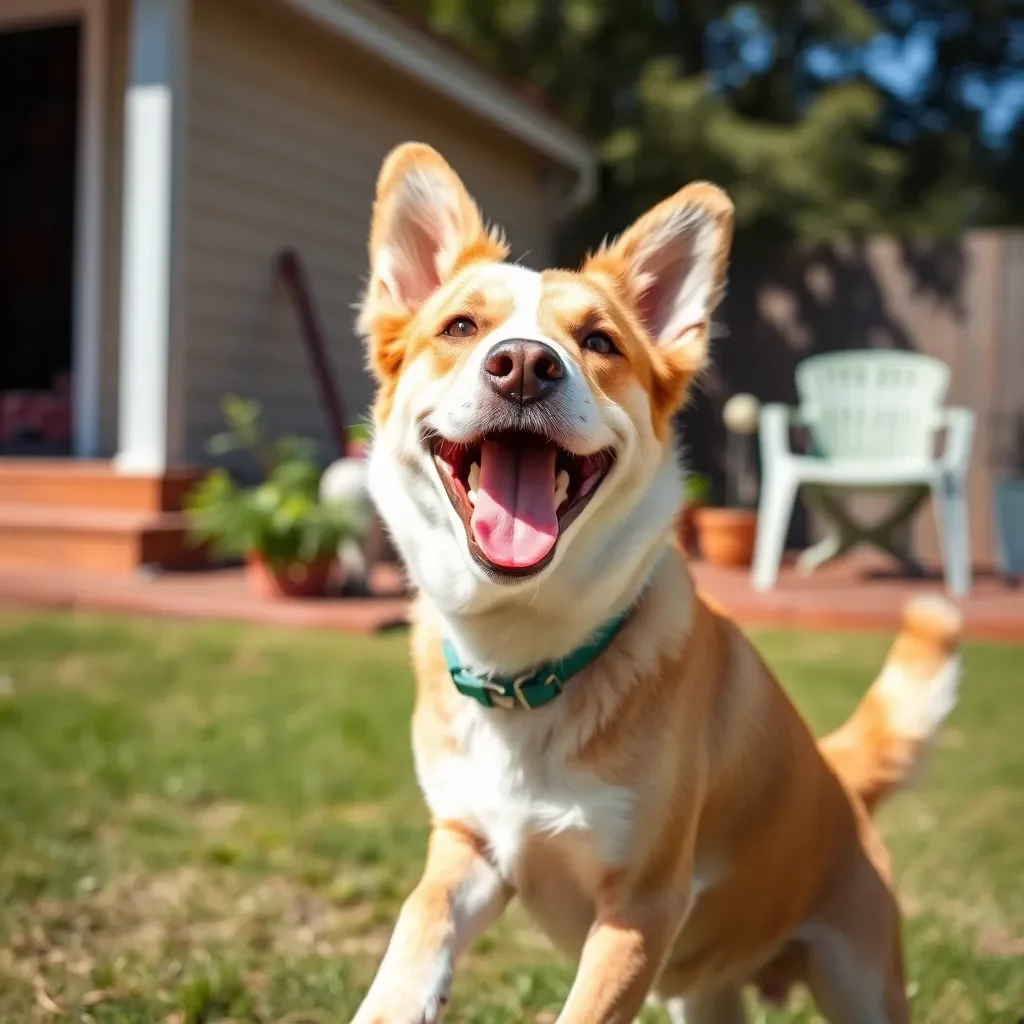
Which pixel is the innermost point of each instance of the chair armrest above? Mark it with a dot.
(959, 426)
(773, 426)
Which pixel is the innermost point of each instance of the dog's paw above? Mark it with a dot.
(405, 1003)
(396, 1014)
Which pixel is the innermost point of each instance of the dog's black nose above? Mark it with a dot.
(523, 371)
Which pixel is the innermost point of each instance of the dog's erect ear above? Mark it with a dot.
(425, 226)
(670, 268)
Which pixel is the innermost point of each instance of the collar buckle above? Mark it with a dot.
(517, 689)
(498, 697)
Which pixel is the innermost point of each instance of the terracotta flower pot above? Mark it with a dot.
(300, 579)
(726, 535)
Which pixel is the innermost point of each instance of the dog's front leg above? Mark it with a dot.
(622, 957)
(459, 896)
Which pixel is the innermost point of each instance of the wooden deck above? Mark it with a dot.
(853, 594)
(81, 515)
(860, 593)
(202, 594)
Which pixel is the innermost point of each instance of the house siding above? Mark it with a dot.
(288, 127)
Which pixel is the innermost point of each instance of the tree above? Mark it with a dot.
(821, 117)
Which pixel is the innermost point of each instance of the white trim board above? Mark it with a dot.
(152, 307)
(18, 15)
(415, 54)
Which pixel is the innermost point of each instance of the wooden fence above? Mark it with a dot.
(961, 300)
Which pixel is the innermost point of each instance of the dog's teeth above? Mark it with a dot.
(588, 485)
(471, 494)
(474, 477)
(561, 487)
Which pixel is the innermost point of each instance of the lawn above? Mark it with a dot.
(208, 822)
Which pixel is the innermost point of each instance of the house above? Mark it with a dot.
(159, 155)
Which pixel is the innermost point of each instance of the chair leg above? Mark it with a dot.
(950, 500)
(838, 537)
(776, 507)
(830, 546)
(893, 534)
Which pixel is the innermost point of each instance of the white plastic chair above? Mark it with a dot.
(873, 419)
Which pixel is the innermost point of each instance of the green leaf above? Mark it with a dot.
(359, 432)
(697, 488)
(223, 444)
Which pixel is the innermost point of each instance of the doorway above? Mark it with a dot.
(39, 125)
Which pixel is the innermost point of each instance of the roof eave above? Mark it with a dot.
(415, 54)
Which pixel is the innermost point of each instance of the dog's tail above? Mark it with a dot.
(886, 740)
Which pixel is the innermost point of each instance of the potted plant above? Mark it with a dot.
(357, 437)
(287, 536)
(696, 492)
(726, 534)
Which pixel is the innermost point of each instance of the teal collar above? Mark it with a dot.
(531, 690)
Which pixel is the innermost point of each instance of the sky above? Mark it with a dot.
(900, 65)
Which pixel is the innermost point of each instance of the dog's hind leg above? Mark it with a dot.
(723, 1006)
(851, 988)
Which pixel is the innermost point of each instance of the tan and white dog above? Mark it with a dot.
(667, 818)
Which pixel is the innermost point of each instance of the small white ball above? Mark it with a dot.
(740, 413)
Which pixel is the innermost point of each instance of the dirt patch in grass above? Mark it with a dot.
(146, 933)
(192, 907)
(1000, 942)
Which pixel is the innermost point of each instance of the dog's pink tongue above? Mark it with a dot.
(514, 519)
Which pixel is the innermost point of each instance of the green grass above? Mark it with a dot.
(210, 822)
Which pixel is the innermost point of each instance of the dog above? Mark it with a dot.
(593, 736)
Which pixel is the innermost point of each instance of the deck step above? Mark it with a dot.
(90, 484)
(103, 540)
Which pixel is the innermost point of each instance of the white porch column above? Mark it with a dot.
(150, 426)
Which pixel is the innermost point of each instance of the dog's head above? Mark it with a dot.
(523, 442)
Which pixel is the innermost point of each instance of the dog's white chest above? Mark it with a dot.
(512, 783)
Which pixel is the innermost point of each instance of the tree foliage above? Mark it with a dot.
(821, 117)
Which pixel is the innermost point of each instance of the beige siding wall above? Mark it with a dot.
(288, 128)
(113, 172)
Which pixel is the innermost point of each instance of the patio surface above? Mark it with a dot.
(212, 594)
(855, 593)
(860, 592)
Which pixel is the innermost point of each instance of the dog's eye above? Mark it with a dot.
(460, 327)
(598, 341)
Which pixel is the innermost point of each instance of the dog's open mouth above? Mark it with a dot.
(515, 493)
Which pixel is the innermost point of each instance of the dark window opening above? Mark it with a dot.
(39, 83)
